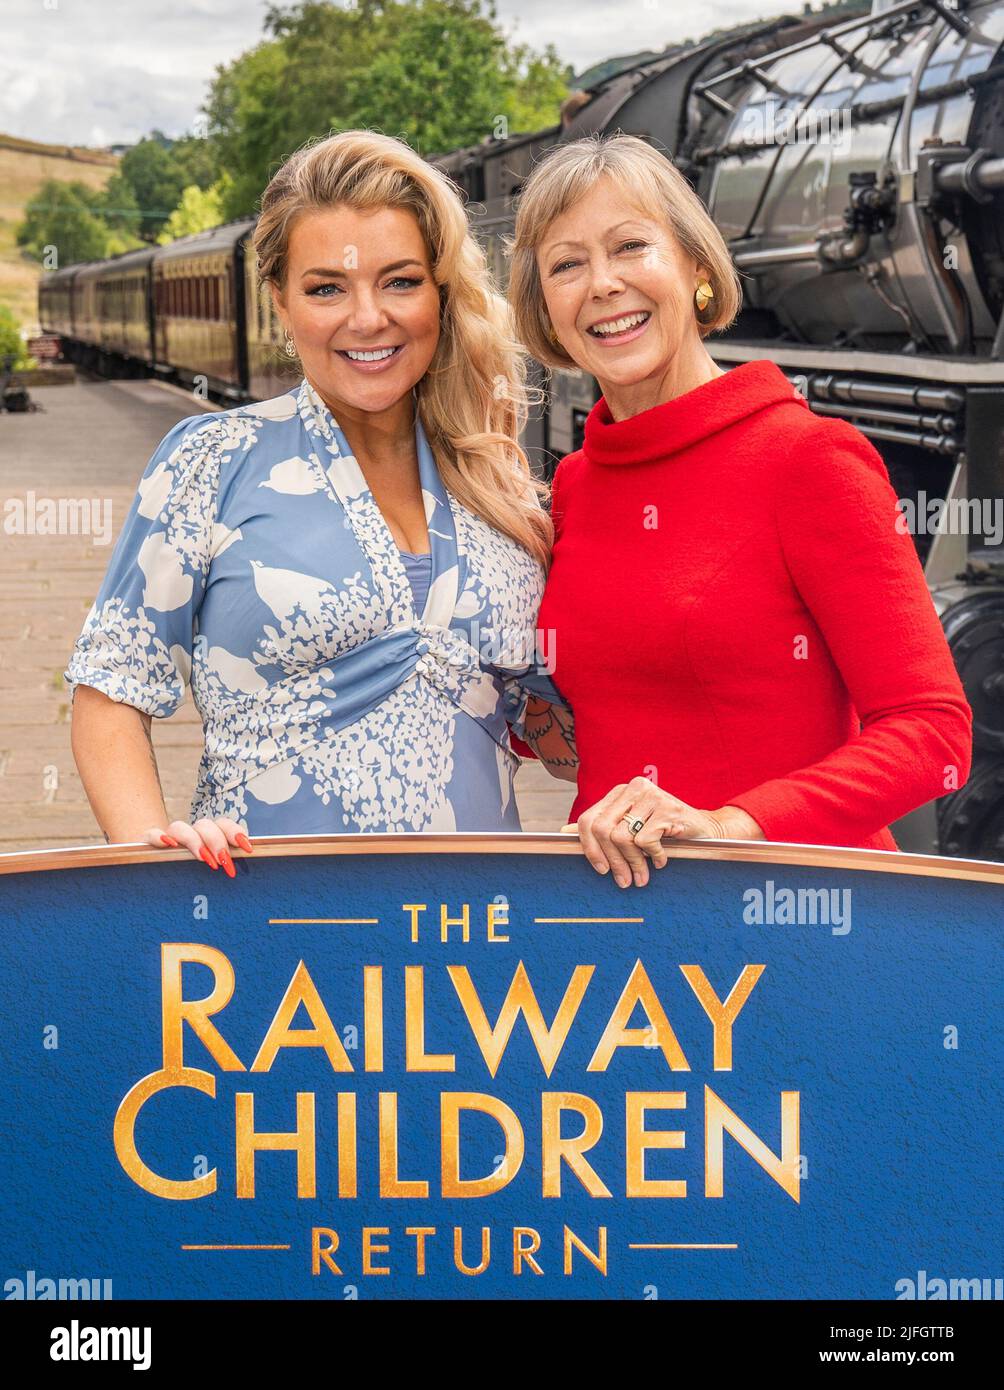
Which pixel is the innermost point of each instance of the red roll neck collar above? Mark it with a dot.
(677, 424)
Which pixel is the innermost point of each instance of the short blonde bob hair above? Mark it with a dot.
(473, 400)
(650, 182)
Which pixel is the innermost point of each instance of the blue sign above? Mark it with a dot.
(401, 1069)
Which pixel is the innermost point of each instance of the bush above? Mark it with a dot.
(11, 342)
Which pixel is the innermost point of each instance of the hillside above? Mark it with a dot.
(24, 167)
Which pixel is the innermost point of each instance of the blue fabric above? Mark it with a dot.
(255, 565)
(418, 568)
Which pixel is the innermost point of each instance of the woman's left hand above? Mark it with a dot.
(609, 844)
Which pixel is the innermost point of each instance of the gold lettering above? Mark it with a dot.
(390, 1184)
(452, 1103)
(124, 1134)
(638, 990)
(301, 990)
(302, 1141)
(175, 1011)
(719, 1119)
(416, 1057)
(722, 1015)
(554, 1149)
(639, 1139)
(520, 999)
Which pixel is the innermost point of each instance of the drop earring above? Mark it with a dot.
(290, 346)
(703, 295)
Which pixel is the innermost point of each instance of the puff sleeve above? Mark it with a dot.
(136, 642)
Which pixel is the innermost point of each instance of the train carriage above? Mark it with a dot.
(270, 370)
(198, 305)
(124, 308)
(55, 302)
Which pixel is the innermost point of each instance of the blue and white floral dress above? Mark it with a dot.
(255, 564)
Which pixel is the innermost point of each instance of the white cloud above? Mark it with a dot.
(109, 71)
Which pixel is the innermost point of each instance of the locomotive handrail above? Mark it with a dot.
(838, 30)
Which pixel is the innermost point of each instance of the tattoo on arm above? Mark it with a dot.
(550, 732)
(147, 730)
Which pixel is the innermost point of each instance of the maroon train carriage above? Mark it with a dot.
(55, 302)
(198, 307)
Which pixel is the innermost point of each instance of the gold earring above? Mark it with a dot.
(703, 295)
(290, 346)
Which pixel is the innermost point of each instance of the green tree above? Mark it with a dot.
(250, 122)
(197, 212)
(196, 161)
(117, 206)
(437, 73)
(11, 342)
(540, 83)
(157, 178)
(63, 224)
(438, 79)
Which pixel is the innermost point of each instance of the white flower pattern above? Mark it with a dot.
(255, 565)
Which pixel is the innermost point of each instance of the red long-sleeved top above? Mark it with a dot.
(736, 613)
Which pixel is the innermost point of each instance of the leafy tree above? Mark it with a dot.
(11, 342)
(250, 122)
(63, 224)
(158, 178)
(196, 161)
(540, 83)
(117, 206)
(439, 78)
(437, 73)
(197, 212)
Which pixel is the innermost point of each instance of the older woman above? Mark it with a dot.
(349, 574)
(743, 631)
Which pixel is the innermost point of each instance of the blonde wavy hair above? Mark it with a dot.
(649, 181)
(473, 400)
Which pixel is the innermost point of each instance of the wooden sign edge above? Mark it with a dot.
(766, 852)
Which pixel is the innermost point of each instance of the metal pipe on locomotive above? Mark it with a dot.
(855, 165)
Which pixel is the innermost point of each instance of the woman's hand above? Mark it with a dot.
(609, 844)
(208, 840)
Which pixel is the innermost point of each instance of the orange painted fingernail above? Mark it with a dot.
(227, 863)
(168, 840)
(208, 857)
(244, 842)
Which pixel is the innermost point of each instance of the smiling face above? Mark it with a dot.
(361, 305)
(619, 290)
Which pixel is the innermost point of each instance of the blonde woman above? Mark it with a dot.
(742, 628)
(348, 575)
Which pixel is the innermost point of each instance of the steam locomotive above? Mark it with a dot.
(854, 163)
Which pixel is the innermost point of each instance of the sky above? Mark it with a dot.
(104, 72)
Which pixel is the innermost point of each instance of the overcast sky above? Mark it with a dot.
(102, 72)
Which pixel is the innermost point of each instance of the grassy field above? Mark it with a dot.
(24, 167)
